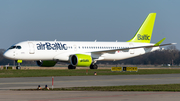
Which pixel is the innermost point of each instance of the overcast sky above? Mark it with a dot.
(86, 20)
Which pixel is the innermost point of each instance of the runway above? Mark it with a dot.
(84, 81)
(87, 96)
(87, 81)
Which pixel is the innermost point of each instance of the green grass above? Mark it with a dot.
(80, 72)
(164, 87)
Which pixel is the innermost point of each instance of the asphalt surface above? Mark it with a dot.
(83, 81)
(87, 96)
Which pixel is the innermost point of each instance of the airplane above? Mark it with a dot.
(85, 53)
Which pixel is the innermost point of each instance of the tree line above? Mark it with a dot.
(171, 55)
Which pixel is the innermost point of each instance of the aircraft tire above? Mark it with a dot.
(18, 67)
(71, 67)
(95, 66)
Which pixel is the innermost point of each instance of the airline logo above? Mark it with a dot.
(143, 37)
(84, 60)
(51, 46)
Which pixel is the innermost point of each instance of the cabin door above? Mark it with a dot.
(31, 48)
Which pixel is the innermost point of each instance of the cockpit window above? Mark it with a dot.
(18, 47)
(15, 47)
(12, 47)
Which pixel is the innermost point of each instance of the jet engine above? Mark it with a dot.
(81, 60)
(46, 63)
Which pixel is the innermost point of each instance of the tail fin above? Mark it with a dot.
(144, 33)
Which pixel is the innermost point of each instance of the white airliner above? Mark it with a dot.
(82, 53)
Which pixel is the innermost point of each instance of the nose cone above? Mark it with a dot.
(8, 55)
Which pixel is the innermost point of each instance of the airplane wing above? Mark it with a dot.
(158, 44)
(149, 46)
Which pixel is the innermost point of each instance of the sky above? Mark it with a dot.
(86, 20)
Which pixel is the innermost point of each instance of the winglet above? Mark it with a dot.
(158, 43)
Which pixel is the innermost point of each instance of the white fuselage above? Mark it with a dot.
(62, 50)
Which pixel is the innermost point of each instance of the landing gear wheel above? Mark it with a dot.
(71, 67)
(18, 67)
(93, 66)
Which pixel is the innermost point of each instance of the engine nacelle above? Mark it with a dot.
(46, 63)
(81, 60)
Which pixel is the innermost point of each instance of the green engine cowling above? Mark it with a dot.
(46, 63)
(81, 60)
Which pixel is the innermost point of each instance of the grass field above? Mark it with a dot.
(164, 87)
(80, 72)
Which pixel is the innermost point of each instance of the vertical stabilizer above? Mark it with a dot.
(144, 33)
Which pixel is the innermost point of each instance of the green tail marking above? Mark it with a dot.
(144, 33)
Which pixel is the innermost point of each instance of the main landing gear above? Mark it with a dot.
(71, 67)
(93, 66)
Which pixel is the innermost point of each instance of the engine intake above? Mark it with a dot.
(81, 60)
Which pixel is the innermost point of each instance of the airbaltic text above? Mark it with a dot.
(143, 37)
(51, 46)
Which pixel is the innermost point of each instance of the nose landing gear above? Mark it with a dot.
(18, 67)
(19, 64)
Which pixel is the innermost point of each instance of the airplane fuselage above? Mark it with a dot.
(61, 50)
